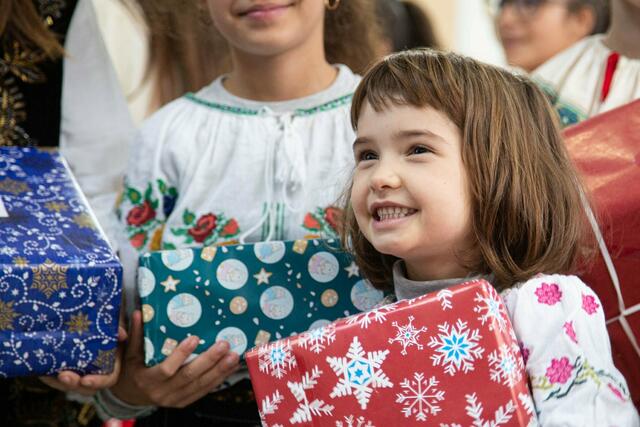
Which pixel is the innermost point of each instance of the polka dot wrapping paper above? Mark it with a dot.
(246, 294)
(60, 282)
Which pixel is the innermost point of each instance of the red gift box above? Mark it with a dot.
(449, 357)
(606, 149)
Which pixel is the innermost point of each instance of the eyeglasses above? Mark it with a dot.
(523, 7)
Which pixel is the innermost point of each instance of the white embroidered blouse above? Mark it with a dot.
(211, 167)
(561, 328)
(574, 80)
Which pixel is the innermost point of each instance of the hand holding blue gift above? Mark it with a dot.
(89, 384)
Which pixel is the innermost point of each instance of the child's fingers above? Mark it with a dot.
(168, 368)
(97, 382)
(210, 380)
(192, 373)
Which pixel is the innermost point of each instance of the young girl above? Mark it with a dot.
(261, 153)
(598, 73)
(461, 173)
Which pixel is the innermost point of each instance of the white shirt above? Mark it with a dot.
(241, 169)
(573, 79)
(96, 126)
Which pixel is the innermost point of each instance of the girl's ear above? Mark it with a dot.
(582, 21)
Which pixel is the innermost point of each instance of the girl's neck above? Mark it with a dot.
(291, 75)
(421, 271)
(624, 31)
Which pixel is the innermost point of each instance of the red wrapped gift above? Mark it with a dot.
(445, 358)
(606, 149)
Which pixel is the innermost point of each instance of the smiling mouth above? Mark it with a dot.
(264, 10)
(389, 213)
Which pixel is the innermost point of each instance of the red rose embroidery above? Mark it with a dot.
(137, 240)
(333, 216)
(311, 223)
(230, 228)
(141, 214)
(203, 228)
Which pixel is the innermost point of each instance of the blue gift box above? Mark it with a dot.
(60, 282)
(246, 294)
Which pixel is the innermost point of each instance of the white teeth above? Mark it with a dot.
(393, 212)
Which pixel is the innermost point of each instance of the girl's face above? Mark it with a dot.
(532, 31)
(268, 27)
(410, 195)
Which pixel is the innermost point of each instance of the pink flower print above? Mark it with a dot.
(571, 333)
(589, 304)
(548, 293)
(559, 371)
(525, 351)
(615, 390)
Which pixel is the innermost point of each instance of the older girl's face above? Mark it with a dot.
(268, 27)
(533, 31)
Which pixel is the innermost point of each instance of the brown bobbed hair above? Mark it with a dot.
(527, 213)
(187, 52)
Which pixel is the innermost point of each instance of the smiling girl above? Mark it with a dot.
(461, 173)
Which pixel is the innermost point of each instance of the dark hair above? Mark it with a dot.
(20, 21)
(526, 208)
(601, 12)
(187, 52)
(406, 25)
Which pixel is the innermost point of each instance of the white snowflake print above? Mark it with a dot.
(505, 365)
(407, 335)
(527, 403)
(456, 347)
(474, 410)
(444, 296)
(420, 397)
(307, 409)
(378, 315)
(351, 421)
(276, 359)
(318, 339)
(491, 311)
(269, 405)
(359, 373)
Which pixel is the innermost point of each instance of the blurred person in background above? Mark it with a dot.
(532, 31)
(406, 25)
(598, 73)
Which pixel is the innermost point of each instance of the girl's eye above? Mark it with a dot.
(367, 155)
(419, 149)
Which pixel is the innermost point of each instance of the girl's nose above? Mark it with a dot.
(385, 178)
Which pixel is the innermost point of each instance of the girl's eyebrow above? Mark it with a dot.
(412, 133)
(360, 140)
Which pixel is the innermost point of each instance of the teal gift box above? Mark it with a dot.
(246, 294)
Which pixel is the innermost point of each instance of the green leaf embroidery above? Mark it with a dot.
(188, 217)
(162, 186)
(179, 231)
(134, 195)
(147, 193)
(169, 246)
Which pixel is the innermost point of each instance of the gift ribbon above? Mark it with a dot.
(614, 279)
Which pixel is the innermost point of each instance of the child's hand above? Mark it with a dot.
(89, 384)
(170, 384)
